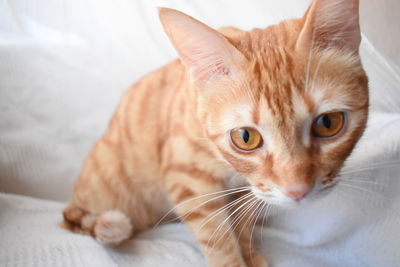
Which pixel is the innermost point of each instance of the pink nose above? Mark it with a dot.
(298, 195)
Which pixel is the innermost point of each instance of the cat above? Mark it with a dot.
(241, 120)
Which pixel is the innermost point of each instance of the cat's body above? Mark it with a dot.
(148, 118)
(171, 142)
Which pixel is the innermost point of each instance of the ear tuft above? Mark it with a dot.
(207, 55)
(331, 24)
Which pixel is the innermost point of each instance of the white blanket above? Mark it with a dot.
(355, 225)
(64, 65)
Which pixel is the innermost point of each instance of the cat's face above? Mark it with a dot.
(285, 133)
(283, 106)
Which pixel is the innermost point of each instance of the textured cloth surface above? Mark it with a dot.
(30, 236)
(355, 225)
(63, 67)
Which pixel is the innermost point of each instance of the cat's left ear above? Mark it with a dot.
(331, 24)
(207, 55)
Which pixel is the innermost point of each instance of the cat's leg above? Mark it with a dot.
(194, 193)
(244, 220)
(108, 203)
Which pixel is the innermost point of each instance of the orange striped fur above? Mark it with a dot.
(168, 144)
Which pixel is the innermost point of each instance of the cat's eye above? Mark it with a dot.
(328, 124)
(246, 138)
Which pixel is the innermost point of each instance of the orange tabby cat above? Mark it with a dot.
(279, 108)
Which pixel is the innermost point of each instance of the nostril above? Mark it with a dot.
(297, 195)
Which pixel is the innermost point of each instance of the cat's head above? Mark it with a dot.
(284, 105)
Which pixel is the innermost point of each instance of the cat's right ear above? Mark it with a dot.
(207, 55)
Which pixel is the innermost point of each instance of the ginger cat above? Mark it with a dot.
(243, 119)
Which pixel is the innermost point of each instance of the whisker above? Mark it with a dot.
(259, 203)
(230, 192)
(361, 189)
(362, 181)
(254, 226)
(242, 216)
(372, 166)
(251, 201)
(224, 208)
(375, 203)
(247, 205)
(266, 210)
(207, 201)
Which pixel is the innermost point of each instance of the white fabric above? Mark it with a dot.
(30, 236)
(63, 67)
(355, 225)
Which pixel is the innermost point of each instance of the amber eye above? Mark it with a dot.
(328, 124)
(246, 138)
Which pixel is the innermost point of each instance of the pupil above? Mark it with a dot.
(326, 121)
(245, 136)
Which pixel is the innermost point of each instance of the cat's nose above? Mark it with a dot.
(298, 194)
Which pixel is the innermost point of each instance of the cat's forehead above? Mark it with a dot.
(282, 91)
(318, 80)
(275, 78)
